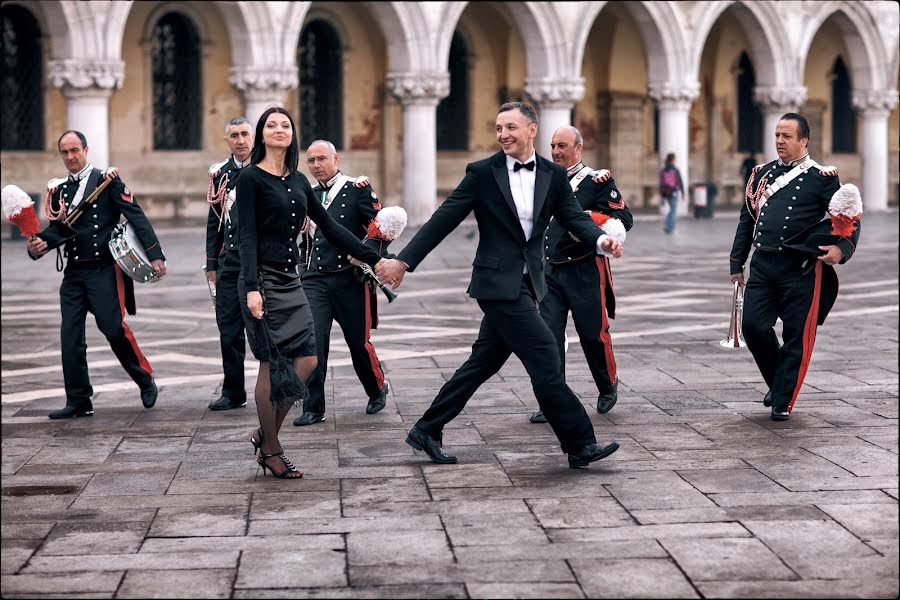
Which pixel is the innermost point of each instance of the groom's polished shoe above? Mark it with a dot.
(590, 453)
(420, 440)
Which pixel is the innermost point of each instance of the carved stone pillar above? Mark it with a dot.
(87, 86)
(626, 141)
(774, 101)
(875, 108)
(813, 110)
(555, 99)
(674, 103)
(419, 93)
(263, 87)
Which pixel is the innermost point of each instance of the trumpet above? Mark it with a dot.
(735, 338)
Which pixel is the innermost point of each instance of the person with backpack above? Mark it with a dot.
(671, 189)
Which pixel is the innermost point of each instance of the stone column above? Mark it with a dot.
(626, 141)
(419, 93)
(555, 99)
(814, 111)
(87, 86)
(263, 87)
(774, 101)
(674, 104)
(875, 108)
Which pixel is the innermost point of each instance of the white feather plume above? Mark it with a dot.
(846, 201)
(614, 229)
(14, 199)
(391, 221)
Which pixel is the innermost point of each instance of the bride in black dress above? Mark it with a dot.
(273, 200)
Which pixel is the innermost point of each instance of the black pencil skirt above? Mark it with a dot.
(286, 312)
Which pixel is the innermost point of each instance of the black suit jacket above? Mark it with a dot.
(502, 248)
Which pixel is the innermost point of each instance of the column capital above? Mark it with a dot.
(262, 83)
(674, 95)
(86, 77)
(876, 102)
(424, 89)
(555, 93)
(774, 98)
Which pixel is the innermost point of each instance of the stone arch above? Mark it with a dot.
(756, 17)
(660, 36)
(56, 25)
(536, 22)
(861, 38)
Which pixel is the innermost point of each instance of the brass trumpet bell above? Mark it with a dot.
(735, 338)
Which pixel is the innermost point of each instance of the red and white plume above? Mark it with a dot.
(18, 208)
(612, 226)
(388, 224)
(845, 209)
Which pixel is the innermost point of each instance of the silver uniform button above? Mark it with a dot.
(343, 205)
(797, 186)
(786, 218)
(793, 197)
(790, 208)
(289, 189)
(758, 244)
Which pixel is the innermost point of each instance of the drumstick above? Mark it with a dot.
(70, 220)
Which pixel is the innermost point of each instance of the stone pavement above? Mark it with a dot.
(706, 498)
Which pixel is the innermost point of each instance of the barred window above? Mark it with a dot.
(843, 117)
(453, 111)
(21, 93)
(177, 118)
(319, 56)
(749, 117)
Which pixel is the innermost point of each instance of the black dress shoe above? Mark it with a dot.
(308, 418)
(606, 401)
(226, 403)
(590, 453)
(538, 417)
(149, 393)
(420, 440)
(377, 403)
(767, 399)
(73, 410)
(779, 415)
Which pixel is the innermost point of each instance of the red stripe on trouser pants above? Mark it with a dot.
(809, 335)
(604, 328)
(129, 335)
(370, 349)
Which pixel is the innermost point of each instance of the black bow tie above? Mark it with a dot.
(529, 165)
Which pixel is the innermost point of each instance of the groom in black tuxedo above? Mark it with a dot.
(513, 193)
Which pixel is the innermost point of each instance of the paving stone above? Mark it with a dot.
(632, 578)
(401, 547)
(647, 532)
(524, 590)
(489, 571)
(343, 525)
(125, 562)
(199, 583)
(61, 583)
(729, 480)
(870, 587)
(647, 548)
(866, 520)
(199, 521)
(286, 569)
(245, 543)
(476, 529)
(579, 512)
(726, 559)
(436, 590)
(72, 539)
(25, 531)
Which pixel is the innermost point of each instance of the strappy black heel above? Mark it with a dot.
(290, 471)
(256, 444)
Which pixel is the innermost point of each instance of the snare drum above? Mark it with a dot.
(130, 256)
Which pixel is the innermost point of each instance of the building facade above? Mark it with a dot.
(408, 91)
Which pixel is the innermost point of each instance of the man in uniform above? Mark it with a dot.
(92, 280)
(579, 279)
(333, 285)
(784, 199)
(223, 261)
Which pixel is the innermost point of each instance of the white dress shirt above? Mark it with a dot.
(82, 178)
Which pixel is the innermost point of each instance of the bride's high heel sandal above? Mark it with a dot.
(290, 471)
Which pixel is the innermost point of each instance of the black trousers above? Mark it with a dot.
(580, 287)
(99, 290)
(782, 287)
(515, 327)
(341, 297)
(231, 325)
